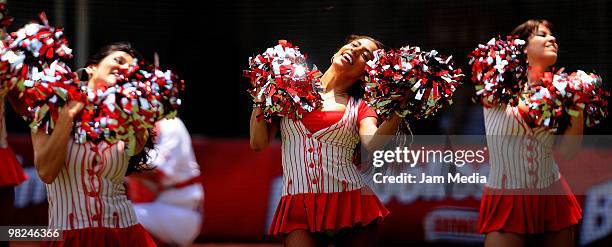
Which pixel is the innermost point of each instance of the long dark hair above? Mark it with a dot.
(356, 91)
(140, 161)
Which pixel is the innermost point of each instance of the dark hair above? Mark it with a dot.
(528, 28)
(109, 49)
(140, 161)
(356, 91)
(353, 37)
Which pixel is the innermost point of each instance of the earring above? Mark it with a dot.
(332, 59)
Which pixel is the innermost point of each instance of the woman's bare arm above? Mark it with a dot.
(50, 150)
(374, 137)
(261, 132)
(571, 141)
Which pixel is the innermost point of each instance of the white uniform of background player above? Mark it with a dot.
(175, 215)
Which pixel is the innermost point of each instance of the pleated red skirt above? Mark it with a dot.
(11, 172)
(134, 235)
(326, 212)
(529, 212)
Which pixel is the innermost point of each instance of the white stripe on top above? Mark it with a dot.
(321, 162)
(520, 157)
(89, 190)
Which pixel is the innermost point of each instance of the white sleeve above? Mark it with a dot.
(173, 154)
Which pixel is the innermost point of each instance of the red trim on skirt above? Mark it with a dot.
(550, 209)
(11, 172)
(134, 235)
(326, 212)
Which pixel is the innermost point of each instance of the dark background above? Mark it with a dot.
(209, 45)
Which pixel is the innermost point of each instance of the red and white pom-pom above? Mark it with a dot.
(46, 92)
(561, 96)
(589, 95)
(410, 82)
(499, 71)
(33, 61)
(143, 95)
(159, 93)
(282, 84)
(32, 48)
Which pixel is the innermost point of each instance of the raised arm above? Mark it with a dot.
(571, 141)
(50, 150)
(374, 137)
(261, 132)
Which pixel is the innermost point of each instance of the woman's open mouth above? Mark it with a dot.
(347, 58)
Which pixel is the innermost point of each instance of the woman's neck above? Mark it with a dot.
(535, 73)
(332, 82)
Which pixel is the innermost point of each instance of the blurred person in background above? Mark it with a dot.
(168, 200)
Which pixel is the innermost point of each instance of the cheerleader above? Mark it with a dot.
(324, 199)
(11, 172)
(526, 197)
(176, 183)
(84, 181)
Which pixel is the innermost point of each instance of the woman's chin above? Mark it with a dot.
(340, 64)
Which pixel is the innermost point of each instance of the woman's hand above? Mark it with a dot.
(71, 109)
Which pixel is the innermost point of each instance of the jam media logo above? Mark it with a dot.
(452, 224)
(407, 193)
(597, 218)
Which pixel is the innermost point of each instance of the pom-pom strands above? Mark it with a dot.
(561, 96)
(410, 82)
(499, 71)
(30, 50)
(282, 84)
(33, 62)
(143, 95)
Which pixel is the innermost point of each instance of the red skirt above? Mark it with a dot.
(529, 213)
(134, 235)
(11, 172)
(326, 212)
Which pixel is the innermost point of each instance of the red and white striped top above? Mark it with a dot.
(321, 162)
(520, 157)
(89, 191)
